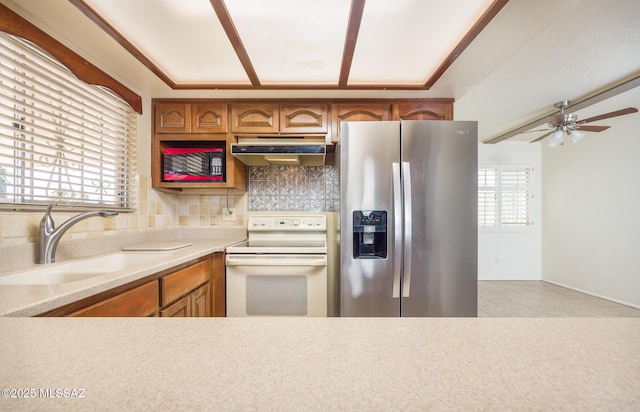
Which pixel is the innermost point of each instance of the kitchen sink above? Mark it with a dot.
(82, 269)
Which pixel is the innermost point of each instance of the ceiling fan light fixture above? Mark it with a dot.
(556, 138)
(575, 135)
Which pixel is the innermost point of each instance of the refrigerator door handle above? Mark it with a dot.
(397, 229)
(406, 177)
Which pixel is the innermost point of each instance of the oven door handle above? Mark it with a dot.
(276, 261)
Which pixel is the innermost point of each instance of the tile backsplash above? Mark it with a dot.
(155, 210)
(293, 188)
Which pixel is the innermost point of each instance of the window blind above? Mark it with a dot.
(62, 141)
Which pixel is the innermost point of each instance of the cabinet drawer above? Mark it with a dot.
(139, 301)
(179, 283)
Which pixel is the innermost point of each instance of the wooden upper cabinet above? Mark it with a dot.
(209, 118)
(423, 111)
(172, 118)
(357, 113)
(254, 118)
(304, 118)
(191, 118)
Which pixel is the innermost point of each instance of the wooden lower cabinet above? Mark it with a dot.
(193, 289)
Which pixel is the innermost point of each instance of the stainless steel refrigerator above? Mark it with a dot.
(408, 218)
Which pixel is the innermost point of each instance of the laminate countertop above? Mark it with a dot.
(30, 300)
(320, 364)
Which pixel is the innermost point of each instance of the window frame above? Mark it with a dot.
(500, 168)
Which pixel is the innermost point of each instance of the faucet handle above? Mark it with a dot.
(47, 224)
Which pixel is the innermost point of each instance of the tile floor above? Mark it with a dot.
(497, 298)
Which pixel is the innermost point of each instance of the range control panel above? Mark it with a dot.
(287, 223)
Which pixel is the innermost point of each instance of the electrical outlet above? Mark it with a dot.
(228, 214)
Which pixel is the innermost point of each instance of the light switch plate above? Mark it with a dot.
(228, 214)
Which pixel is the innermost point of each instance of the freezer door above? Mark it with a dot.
(369, 155)
(440, 167)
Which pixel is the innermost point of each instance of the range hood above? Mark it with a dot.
(280, 151)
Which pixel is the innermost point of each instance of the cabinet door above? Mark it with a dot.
(254, 118)
(201, 301)
(172, 117)
(180, 309)
(422, 111)
(357, 113)
(139, 301)
(304, 118)
(209, 118)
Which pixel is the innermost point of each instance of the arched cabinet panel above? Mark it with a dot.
(304, 118)
(254, 118)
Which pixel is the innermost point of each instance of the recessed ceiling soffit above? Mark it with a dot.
(294, 44)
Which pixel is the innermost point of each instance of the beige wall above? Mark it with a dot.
(591, 213)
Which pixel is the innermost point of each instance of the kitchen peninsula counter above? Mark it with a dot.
(323, 364)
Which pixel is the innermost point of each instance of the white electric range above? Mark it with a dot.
(281, 270)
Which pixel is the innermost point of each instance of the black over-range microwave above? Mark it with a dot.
(193, 164)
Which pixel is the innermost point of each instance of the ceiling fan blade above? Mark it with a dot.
(542, 137)
(621, 112)
(592, 128)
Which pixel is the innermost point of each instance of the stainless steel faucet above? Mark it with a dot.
(50, 236)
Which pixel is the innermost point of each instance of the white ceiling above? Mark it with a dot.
(530, 56)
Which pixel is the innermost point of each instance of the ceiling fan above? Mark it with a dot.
(568, 123)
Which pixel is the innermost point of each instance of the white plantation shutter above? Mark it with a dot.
(515, 196)
(61, 140)
(505, 197)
